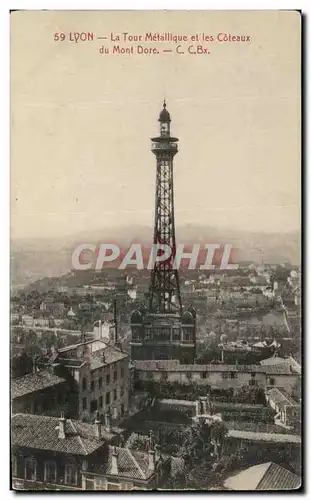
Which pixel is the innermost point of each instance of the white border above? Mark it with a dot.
(7, 5)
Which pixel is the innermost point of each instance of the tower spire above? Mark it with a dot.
(164, 331)
(164, 292)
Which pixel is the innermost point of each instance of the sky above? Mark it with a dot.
(81, 122)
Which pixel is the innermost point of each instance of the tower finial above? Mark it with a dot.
(164, 104)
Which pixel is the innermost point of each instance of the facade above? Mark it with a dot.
(40, 393)
(126, 469)
(51, 453)
(101, 375)
(164, 331)
(288, 411)
(219, 376)
(263, 477)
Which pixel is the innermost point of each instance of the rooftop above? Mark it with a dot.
(42, 433)
(130, 464)
(33, 382)
(268, 476)
(96, 352)
(175, 366)
(264, 436)
(276, 360)
(280, 396)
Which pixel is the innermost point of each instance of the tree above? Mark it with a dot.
(251, 394)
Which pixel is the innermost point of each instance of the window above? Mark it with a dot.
(93, 406)
(100, 402)
(121, 410)
(271, 381)
(253, 375)
(50, 472)
(108, 379)
(92, 385)
(233, 375)
(84, 384)
(30, 469)
(205, 374)
(122, 372)
(188, 375)
(115, 375)
(149, 375)
(89, 484)
(186, 336)
(252, 382)
(108, 398)
(100, 382)
(114, 394)
(113, 486)
(14, 466)
(100, 484)
(70, 475)
(176, 334)
(84, 403)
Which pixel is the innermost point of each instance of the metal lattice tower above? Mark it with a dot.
(164, 292)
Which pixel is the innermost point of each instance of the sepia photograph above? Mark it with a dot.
(155, 251)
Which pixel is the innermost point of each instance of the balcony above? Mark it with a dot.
(164, 146)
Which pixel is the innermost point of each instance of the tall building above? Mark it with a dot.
(100, 376)
(164, 330)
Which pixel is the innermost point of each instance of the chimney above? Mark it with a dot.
(98, 428)
(100, 330)
(34, 365)
(114, 461)
(62, 427)
(115, 319)
(204, 406)
(108, 422)
(197, 408)
(151, 456)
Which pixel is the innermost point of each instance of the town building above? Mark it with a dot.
(40, 393)
(126, 469)
(264, 477)
(288, 411)
(277, 360)
(101, 375)
(51, 453)
(218, 376)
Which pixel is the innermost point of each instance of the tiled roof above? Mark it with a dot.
(286, 369)
(174, 366)
(41, 433)
(280, 396)
(94, 354)
(268, 476)
(131, 464)
(276, 360)
(112, 355)
(264, 436)
(74, 347)
(34, 382)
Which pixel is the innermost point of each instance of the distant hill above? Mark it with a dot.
(32, 259)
